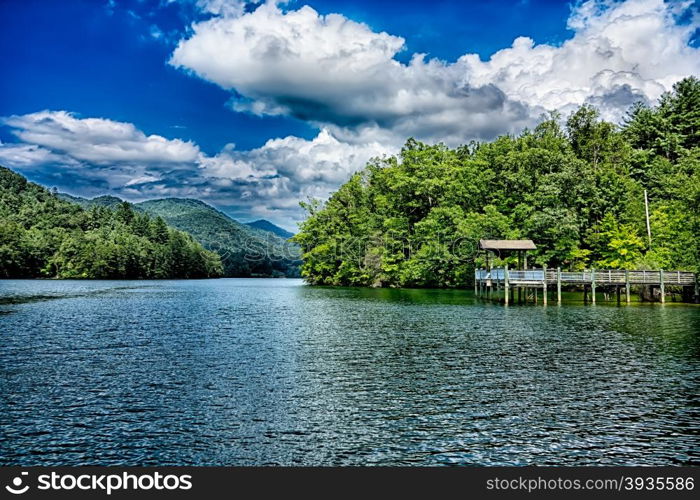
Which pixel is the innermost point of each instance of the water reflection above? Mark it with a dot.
(251, 372)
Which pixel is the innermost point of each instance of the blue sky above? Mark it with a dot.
(253, 107)
(97, 60)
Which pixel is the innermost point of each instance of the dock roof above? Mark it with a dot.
(507, 245)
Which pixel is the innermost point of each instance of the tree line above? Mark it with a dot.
(42, 236)
(575, 188)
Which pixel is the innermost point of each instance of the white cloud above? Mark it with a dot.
(230, 8)
(98, 140)
(156, 32)
(336, 72)
(97, 156)
(620, 53)
(284, 171)
(26, 155)
(339, 73)
(93, 154)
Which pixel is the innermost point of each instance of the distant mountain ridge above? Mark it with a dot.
(266, 225)
(44, 236)
(113, 201)
(99, 201)
(245, 249)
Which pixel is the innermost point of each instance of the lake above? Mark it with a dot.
(273, 372)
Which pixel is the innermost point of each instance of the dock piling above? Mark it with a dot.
(558, 285)
(544, 285)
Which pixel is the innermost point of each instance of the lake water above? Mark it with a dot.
(262, 372)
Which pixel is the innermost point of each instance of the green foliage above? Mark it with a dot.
(671, 129)
(256, 249)
(245, 251)
(415, 219)
(43, 236)
(618, 246)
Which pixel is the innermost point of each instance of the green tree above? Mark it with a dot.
(414, 219)
(43, 236)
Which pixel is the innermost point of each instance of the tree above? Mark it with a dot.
(414, 219)
(43, 236)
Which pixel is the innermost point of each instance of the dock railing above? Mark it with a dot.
(599, 276)
(486, 281)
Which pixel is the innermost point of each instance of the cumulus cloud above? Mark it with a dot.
(276, 176)
(97, 140)
(344, 77)
(339, 73)
(620, 53)
(336, 72)
(229, 8)
(27, 155)
(97, 156)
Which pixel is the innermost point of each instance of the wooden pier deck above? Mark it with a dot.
(487, 281)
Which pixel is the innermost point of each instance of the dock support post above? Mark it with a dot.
(593, 286)
(627, 284)
(617, 293)
(697, 289)
(506, 284)
(663, 288)
(558, 285)
(476, 283)
(544, 285)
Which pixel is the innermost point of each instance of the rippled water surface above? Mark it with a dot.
(258, 372)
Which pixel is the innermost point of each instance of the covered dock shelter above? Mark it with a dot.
(499, 247)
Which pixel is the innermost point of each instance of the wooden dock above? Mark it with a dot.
(490, 282)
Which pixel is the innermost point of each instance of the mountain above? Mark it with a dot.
(266, 225)
(100, 201)
(255, 249)
(43, 236)
(244, 250)
(83, 202)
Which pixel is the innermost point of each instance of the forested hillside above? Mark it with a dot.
(244, 251)
(266, 225)
(43, 236)
(255, 249)
(99, 201)
(576, 190)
